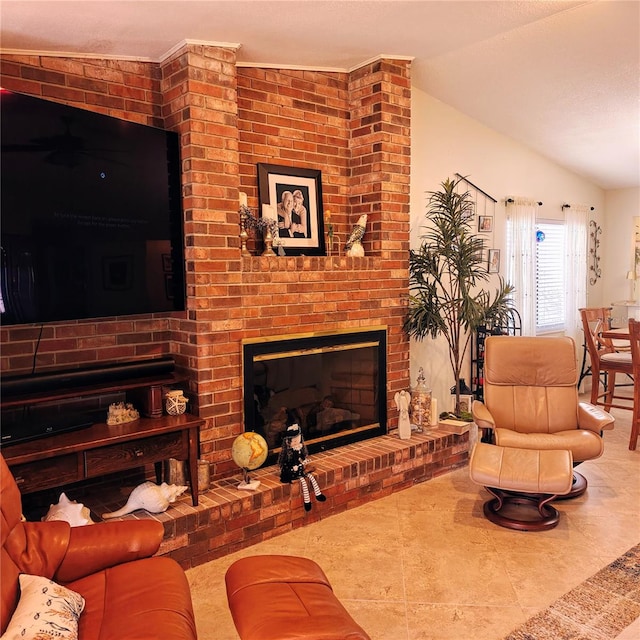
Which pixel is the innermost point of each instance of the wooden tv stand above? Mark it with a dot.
(101, 449)
(97, 450)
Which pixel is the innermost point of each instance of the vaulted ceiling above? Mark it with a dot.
(561, 77)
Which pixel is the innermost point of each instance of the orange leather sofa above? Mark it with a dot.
(128, 594)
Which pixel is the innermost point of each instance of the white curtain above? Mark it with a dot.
(575, 268)
(521, 259)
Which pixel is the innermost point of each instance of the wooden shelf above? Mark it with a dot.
(98, 450)
(41, 397)
(57, 459)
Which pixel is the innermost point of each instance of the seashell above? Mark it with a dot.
(150, 497)
(75, 513)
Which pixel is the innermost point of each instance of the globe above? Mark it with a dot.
(249, 450)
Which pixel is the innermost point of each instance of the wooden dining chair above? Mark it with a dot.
(634, 334)
(605, 359)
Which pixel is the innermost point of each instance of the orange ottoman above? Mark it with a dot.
(286, 598)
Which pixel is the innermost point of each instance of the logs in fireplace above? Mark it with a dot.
(333, 385)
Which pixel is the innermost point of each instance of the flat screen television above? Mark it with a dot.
(91, 214)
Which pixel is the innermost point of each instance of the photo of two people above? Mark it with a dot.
(292, 196)
(293, 217)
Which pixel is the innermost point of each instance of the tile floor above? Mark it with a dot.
(424, 563)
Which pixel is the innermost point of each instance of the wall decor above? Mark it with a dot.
(293, 196)
(480, 254)
(494, 261)
(594, 267)
(485, 224)
(484, 205)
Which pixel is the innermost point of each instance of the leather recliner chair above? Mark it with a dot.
(128, 594)
(531, 400)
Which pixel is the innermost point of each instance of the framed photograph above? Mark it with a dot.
(479, 253)
(494, 261)
(465, 403)
(485, 224)
(167, 263)
(293, 197)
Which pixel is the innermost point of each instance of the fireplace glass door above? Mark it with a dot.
(332, 385)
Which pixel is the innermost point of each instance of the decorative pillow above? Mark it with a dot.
(45, 611)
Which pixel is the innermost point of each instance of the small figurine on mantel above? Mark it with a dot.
(403, 399)
(121, 412)
(354, 248)
(292, 461)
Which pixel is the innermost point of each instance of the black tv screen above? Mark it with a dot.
(91, 215)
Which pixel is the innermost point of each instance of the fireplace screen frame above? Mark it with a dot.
(263, 349)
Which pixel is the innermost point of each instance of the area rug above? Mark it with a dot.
(598, 609)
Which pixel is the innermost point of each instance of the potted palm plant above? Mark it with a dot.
(445, 274)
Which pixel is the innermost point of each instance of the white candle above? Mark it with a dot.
(434, 412)
(268, 211)
(243, 199)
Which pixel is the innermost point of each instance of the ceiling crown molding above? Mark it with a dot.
(296, 67)
(73, 54)
(205, 43)
(382, 56)
(105, 56)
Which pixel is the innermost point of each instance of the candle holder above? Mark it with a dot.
(333, 242)
(421, 404)
(267, 226)
(244, 236)
(268, 243)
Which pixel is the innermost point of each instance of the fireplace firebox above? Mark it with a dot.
(332, 384)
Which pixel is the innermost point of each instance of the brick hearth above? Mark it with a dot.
(228, 519)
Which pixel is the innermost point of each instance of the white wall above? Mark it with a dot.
(617, 247)
(445, 142)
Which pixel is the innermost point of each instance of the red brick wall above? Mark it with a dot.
(299, 119)
(353, 127)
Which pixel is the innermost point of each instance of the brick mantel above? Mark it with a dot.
(354, 126)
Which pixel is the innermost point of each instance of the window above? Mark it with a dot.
(550, 279)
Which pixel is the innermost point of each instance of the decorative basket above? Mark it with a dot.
(175, 403)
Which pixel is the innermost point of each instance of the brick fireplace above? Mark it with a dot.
(353, 126)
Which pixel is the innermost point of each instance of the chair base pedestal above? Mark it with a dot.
(499, 510)
(578, 487)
